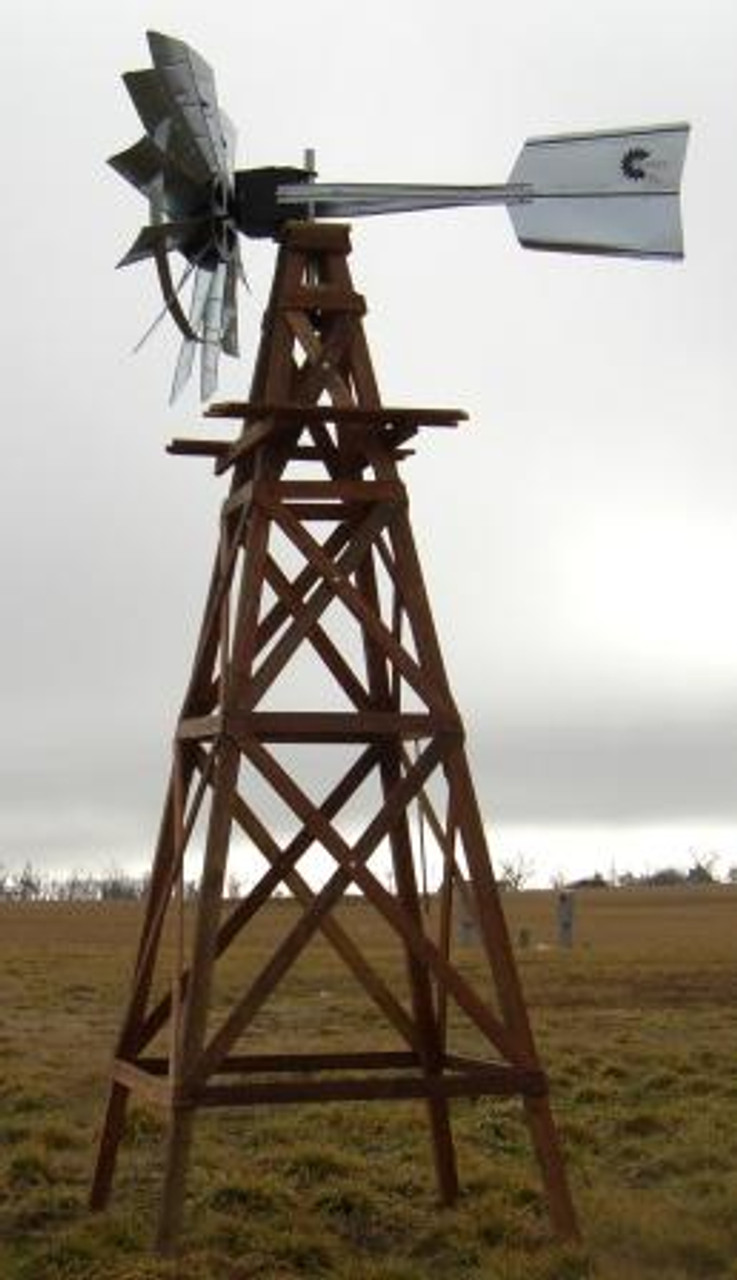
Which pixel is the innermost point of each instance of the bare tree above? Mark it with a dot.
(703, 868)
(515, 872)
(27, 885)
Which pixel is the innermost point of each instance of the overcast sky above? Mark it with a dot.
(579, 535)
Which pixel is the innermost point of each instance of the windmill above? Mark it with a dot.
(316, 569)
(614, 193)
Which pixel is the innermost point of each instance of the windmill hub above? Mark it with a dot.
(256, 207)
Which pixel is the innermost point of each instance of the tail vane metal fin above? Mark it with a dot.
(613, 193)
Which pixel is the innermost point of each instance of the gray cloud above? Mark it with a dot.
(645, 773)
(578, 535)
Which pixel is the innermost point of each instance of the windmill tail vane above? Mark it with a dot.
(615, 193)
(612, 193)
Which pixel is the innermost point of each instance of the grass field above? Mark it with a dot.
(637, 1026)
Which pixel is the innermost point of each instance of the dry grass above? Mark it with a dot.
(636, 1025)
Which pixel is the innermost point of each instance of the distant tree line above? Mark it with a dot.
(30, 885)
(702, 870)
(113, 885)
(514, 873)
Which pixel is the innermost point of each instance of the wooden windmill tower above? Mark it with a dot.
(316, 573)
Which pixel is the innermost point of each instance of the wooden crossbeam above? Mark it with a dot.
(340, 585)
(392, 912)
(342, 415)
(260, 1063)
(135, 1077)
(350, 862)
(492, 1082)
(316, 726)
(335, 491)
(316, 298)
(199, 448)
(341, 1060)
(333, 572)
(337, 726)
(482, 1079)
(325, 648)
(305, 580)
(283, 863)
(324, 356)
(256, 434)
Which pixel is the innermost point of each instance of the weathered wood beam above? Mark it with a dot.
(263, 1063)
(138, 1079)
(491, 1082)
(199, 448)
(327, 726)
(340, 415)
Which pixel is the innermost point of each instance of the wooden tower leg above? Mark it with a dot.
(197, 1001)
(113, 1128)
(496, 942)
(209, 906)
(422, 1003)
(160, 890)
(385, 693)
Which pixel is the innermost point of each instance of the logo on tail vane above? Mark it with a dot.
(632, 163)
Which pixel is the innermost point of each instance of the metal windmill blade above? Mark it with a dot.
(183, 165)
(188, 349)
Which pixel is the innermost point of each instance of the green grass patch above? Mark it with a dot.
(638, 1035)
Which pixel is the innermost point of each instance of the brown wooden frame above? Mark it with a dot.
(314, 401)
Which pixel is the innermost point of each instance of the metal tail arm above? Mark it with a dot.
(360, 199)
